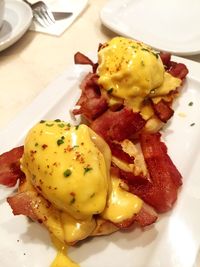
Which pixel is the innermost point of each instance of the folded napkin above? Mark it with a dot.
(74, 6)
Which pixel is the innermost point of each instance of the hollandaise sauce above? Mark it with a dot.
(65, 165)
(131, 71)
(121, 204)
(61, 259)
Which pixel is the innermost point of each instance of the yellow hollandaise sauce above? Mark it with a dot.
(67, 168)
(121, 204)
(132, 70)
(61, 259)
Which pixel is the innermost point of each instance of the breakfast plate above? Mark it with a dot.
(171, 26)
(173, 241)
(17, 19)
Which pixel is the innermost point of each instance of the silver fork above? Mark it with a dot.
(41, 13)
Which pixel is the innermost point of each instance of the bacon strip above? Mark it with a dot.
(117, 151)
(178, 70)
(10, 166)
(21, 204)
(166, 59)
(118, 125)
(92, 103)
(80, 58)
(163, 110)
(161, 191)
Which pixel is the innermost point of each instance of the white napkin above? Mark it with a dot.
(74, 6)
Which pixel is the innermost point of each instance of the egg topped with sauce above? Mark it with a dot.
(68, 177)
(129, 69)
(66, 166)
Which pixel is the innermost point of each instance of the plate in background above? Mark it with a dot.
(17, 19)
(171, 25)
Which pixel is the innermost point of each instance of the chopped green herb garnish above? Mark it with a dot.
(75, 146)
(49, 124)
(77, 126)
(92, 195)
(72, 200)
(42, 121)
(62, 137)
(68, 124)
(110, 91)
(155, 54)
(57, 120)
(192, 124)
(67, 173)
(87, 169)
(61, 125)
(190, 104)
(145, 49)
(60, 142)
(36, 144)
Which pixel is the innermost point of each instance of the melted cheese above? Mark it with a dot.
(67, 168)
(121, 204)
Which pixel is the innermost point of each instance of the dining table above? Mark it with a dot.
(37, 59)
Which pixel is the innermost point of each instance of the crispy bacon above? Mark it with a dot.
(10, 166)
(118, 125)
(163, 111)
(80, 58)
(117, 151)
(92, 103)
(178, 70)
(166, 58)
(161, 191)
(21, 204)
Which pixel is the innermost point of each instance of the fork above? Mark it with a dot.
(41, 13)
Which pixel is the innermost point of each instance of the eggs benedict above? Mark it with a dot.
(69, 186)
(131, 74)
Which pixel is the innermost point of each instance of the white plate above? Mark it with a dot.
(171, 25)
(173, 241)
(16, 22)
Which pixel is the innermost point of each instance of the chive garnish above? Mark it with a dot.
(67, 173)
(87, 169)
(60, 142)
(61, 125)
